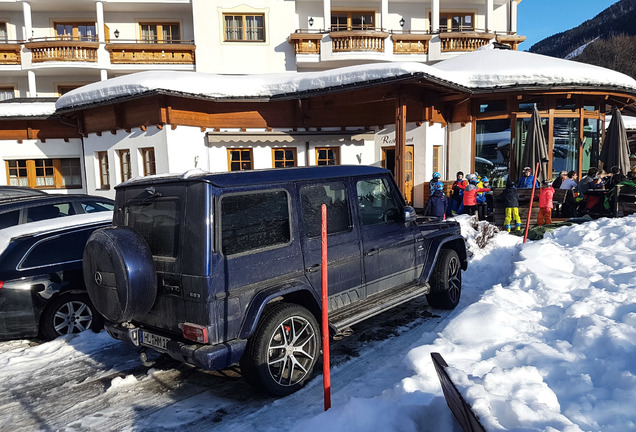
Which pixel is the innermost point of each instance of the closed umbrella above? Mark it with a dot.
(615, 150)
(536, 149)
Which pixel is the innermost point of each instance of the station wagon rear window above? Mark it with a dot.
(254, 221)
(158, 222)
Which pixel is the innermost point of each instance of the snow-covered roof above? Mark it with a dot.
(257, 86)
(481, 70)
(27, 109)
(488, 69)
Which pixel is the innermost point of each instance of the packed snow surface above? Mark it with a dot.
(544, 339)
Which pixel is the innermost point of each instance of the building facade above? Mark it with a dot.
(52, 48)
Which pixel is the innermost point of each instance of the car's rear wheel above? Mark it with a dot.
(282, 353)
(446, 281)
(67, 314)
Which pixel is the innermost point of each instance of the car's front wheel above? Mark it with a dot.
(283, 351)
(446, 281)
(69, 313)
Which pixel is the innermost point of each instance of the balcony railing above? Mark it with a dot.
(464, 41)
(410, 43)
(358, 40)
(512, 41)
(305, 43)
(61, 48)
(135, 52)
(10, 53)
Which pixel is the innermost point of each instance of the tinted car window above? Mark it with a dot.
(157, 222)
(60, 249)
(9, 219)
(334, 195)
(376, 202)
(43, 212)
(96, 206)
(253, 221)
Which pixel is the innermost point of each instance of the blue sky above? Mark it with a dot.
(538, 19)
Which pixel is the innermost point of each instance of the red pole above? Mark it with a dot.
(326, 376)
(534, 185)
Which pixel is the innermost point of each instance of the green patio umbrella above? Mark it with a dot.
(615, 151)
(536, 149)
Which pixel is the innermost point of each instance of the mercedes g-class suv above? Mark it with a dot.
(218, 269)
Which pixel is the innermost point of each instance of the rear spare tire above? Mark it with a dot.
(119, 274)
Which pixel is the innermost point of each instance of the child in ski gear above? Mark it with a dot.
(470, 194)
(545, 203)
(437, 204)
(527, 179)
(482, 205)
(510, 198)
(456, 202)
(434, 180)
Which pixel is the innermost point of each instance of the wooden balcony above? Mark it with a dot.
(410, 43)
(306, 43)
(512, 41)
(62, 49)
(358, 40)
(464, 41)
(10, 53)
(151, 53)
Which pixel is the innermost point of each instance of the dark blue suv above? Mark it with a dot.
(215, 269)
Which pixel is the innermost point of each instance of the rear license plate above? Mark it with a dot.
(153, 340)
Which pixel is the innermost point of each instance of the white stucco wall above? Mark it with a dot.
(460, 146)
(185, 149)
(133, 141)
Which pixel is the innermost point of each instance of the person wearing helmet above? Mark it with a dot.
(545, 203)
(436, 177)
(510, 198)
(470, 194)
(481, 198)
(437, 204)
(527, 179)
(456, 203)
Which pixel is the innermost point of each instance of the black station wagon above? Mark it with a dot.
(42, 290)
(217, 269)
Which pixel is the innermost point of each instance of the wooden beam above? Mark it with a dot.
(400, 143)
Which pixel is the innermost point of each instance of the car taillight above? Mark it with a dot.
(1, 284)
(195, 332)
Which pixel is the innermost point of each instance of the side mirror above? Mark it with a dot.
(409, 215)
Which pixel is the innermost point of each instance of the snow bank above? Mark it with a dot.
(549, 344)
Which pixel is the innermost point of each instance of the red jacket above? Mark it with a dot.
(470, 194)
(545, 197)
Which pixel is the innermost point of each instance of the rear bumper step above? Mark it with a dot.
(210, 357)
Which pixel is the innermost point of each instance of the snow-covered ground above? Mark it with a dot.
(544, 339)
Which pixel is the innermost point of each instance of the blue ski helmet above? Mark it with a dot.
(438, 186)
(437, 175)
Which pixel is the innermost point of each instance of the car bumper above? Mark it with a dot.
(211, 357)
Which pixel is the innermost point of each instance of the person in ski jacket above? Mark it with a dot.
(527, 179)
(456, 202)
(431, 185)
(545, 203)
(470, 194)
(510, 198)
(437, 204)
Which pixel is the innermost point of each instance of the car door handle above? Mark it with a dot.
(371, 252)
(312, 269)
